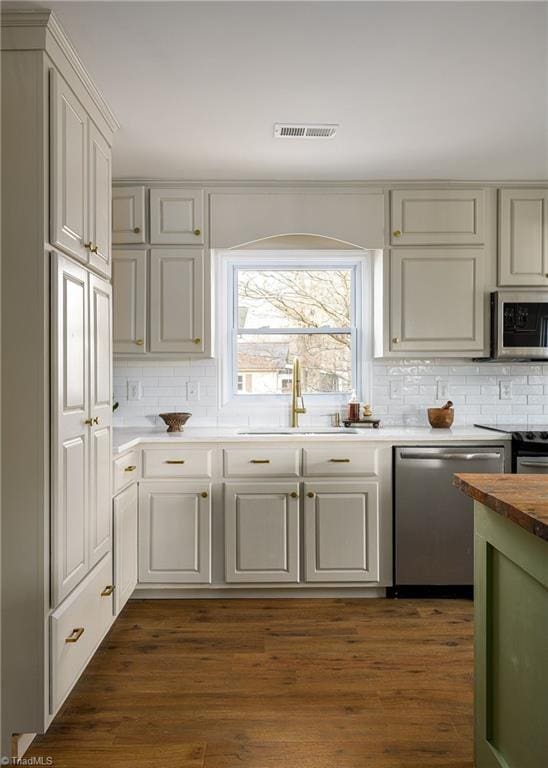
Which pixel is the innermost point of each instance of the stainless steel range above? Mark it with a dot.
(529, 447)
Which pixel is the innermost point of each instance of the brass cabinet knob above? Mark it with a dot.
(396, 340)
(197, 340)
(310, 494)
(131, 468)
(197, 232)
(397, 233)
(87, 245)
(294, 495)
(75, 635)
(136, 230)
(88, 422)
(139, 342)
(204, 494)
(94, 249)
(96, 420)
(107, 591)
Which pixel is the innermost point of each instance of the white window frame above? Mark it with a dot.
(359, 261)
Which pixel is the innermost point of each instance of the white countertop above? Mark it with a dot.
(125, 438)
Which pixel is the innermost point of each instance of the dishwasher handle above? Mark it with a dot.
(450, 456)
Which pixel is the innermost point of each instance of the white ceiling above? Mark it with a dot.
(421, 90)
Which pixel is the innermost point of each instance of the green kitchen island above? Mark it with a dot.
(511, 619)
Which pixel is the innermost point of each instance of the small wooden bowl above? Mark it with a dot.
(175, 420)
(441, 418)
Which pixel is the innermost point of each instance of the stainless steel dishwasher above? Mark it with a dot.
(433, 531)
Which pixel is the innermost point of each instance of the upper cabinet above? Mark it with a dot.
(355, 217)
(128, 215)
(437, 217)
(129, 280)
(80, 181)
(523, 237)
(436, 299)
(176, 216)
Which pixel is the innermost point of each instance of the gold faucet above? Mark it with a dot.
(297, 402)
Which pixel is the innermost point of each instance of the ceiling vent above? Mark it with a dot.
(295, 131)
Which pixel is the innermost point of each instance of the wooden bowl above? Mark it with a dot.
(175, 420)
(441, 418)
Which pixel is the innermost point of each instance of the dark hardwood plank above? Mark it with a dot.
(274, 684)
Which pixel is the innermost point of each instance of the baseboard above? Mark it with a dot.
(263, 594)
(20, 742)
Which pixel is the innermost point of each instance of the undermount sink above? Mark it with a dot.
(300, 431)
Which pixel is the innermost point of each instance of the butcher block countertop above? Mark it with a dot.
(521, 498)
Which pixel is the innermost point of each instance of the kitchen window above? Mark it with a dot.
(283, 307)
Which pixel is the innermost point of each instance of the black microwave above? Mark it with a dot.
(519, 325)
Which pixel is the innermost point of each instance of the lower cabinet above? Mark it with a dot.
(262, 532)
(341, 527)
(175, 531)
(125, 546)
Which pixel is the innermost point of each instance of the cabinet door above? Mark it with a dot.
(100, 190)
(69, 148)
(176, 216)
(262, 532)
(70, 432)
(129, 271)
(125, 546)
(128, 215)
(100, 411)
(174, 532)
(437, 217)
(437, 300)
(523, 237)
(341, 531)
(176, 300)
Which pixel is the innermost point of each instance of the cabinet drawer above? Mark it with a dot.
(176, 462)
(76, 629)
(126, 470)
(261, 462)
(340, 460)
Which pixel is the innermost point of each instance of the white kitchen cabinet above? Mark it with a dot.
(176, 216)
(341, 520)
(69, 165)
(177, 300)
(80, 218)
(81, 423)
(129, 285)
(523, 237)
(128, 215)
(99, 205)
(125, 546)
(100, 413)
(437, 300)
(175, 531)
(352, 216)
(262, 532)
(437, 217)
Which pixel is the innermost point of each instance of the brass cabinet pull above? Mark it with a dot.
(87, 245)
(204, 494)
(396, 340)
(131, 468)
(136, 230)
(310, 494)
(397, 233)
(88, 422)
(75, 635)
(107, 591)
(197, 340)
(340, 461)
(294, 495)
(259, 461)
(175, 461)
(139, 342)
(197, 232)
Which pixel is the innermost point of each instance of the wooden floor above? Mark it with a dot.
(274, 684)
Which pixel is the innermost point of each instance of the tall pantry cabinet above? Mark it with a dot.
(57, 581)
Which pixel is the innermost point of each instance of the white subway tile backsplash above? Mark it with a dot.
(400, 394)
